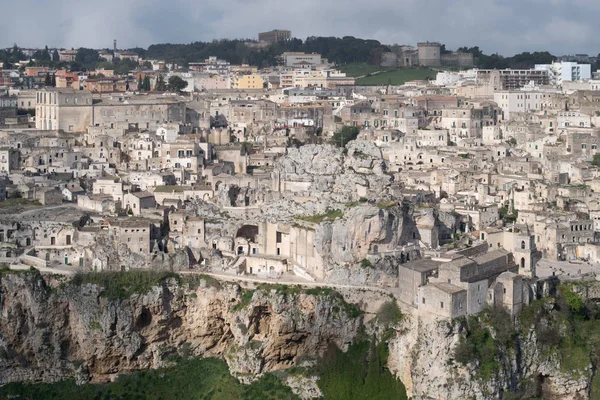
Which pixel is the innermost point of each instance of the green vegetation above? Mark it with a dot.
(18, 201)
(397, 76)
(522, 60)
(5, 270)
(330, 215)
(279, 288)
(193, 379)
(121, 285)
(384, 205)
(506, 217)
(353, 204)
(345, 135)
(487, 336)
(360, 373)
(366, 263)
(177, 84)
(596, 160)
(389, 314)
(244, 300)
(566, 326)
(360, 69)
(339, 50)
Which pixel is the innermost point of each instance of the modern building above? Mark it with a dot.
(273, 36)
(511, 79)
(560, 72)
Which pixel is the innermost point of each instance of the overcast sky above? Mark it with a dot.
(503, 26)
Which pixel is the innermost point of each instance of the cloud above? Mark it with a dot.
(503, 26)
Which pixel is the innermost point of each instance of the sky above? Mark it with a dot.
(496, 26)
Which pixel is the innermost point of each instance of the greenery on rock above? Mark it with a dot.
(195, 379)
(565, 328)
(330, 215)
(389, 314)
(360, 373)
(121, 285)
(345, 135)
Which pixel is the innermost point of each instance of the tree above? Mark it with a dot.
(48, 79)
(345, 135)
(146, 85)
(140, 85)
(55, 56)
(53, 80)
(176, 84)
(160, 86)
(88, 58)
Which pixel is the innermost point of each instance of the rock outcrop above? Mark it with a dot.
(422, 356)
(49, 334)
(57, 331)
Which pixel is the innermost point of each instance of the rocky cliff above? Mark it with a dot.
(52, 332)
(424, 358)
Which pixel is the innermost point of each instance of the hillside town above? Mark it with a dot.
(451, 193)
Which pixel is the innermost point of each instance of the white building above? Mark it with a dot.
(519, 101)
(168, 133)
(566, 72)
(292, 59)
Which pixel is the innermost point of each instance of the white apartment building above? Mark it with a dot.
(520, 101)
(566, 72)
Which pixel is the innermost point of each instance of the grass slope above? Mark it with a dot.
(397, 76)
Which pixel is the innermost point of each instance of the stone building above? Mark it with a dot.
(63, 109)
(133, 233)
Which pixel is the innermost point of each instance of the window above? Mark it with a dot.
(441, 304)
(423, 300)
(523, 245)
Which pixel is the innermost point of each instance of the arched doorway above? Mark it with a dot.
(522, 262)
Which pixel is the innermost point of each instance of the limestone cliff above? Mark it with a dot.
(52, 330)
(423, 357)
(52, 333)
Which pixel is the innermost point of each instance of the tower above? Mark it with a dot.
(429, 54)
(115, 46)
(524, 247)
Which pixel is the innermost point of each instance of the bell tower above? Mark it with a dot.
(524, 248)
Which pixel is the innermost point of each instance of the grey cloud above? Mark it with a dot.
(504, 26)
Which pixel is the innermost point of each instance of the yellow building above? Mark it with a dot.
(251, 81)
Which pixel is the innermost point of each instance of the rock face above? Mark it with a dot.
(423, 358)
(73, 331)
(362, 230)
(343, 175)
(55, 332)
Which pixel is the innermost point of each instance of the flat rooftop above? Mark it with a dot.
(422, 265)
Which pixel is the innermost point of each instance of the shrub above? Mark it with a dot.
(244, 300)
(121, 285)
(389, 314)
